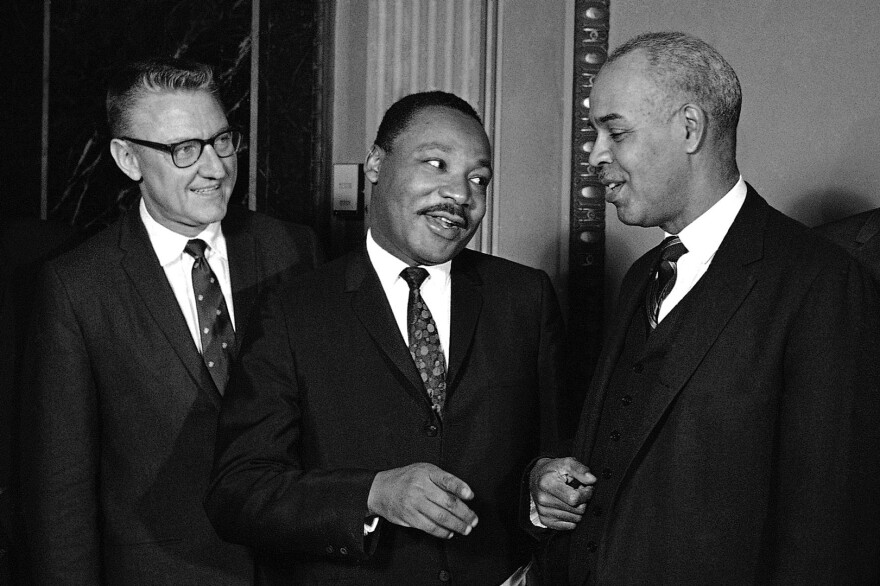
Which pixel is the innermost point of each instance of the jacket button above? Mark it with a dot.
(343, 551)
(431, 430)
(606, 473)
(444, 576)
(591, 546)
(329, 549)
(638, 368)
(615, 436)
(626, 399)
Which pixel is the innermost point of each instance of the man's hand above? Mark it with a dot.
(424, 497)
(560, 489)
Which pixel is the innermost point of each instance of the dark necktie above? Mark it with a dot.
(215, 325)
(664, 278)
(424, 341)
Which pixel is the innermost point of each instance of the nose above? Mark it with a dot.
(210, 164)
(600, 154)
(457, 188)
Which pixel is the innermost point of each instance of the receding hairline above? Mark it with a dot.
(684, 67)
(139, 79)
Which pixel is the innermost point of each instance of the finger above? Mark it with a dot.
(559, 525)
(425, 523)
(560, 514)
(579, 475)
(454, 507)
(444, 519)
(564, 498)
(451, 483)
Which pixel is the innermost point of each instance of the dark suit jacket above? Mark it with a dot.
(759, 459)
(25, 243)
(327, 395)
(858, 234)
(120, 420)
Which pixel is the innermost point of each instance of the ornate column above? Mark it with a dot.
(587, 228)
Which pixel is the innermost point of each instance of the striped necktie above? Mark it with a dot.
(664, 278)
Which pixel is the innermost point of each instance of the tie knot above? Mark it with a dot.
(196, 248)
(414, 276)
(673, 249)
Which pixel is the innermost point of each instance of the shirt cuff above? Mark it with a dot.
(370, 525)
(533, 514)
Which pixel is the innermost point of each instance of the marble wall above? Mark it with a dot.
(89, 38)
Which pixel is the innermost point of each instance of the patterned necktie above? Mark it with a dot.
(664, 279)
(215, 326)
(424, 341)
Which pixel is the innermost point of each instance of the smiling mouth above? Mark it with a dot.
(206, 190)
(611, 187)
(446, 218)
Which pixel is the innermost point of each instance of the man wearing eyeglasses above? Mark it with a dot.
(132, 345)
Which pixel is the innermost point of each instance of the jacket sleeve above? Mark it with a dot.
(60, 444)
(827, 489)
(261, 494)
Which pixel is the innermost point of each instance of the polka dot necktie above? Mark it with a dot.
(664, 278)
(424, 341)
(215, 326)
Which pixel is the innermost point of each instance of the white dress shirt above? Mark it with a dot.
(178, 265)
(702, 237)
(436, 290)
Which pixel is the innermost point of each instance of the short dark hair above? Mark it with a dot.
(685, 64)
(134, 80)
(401, 113)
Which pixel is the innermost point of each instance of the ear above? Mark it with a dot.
(695, 127)
(125, 158)
(372, 164)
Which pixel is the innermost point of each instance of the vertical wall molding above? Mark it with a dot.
(486, 240)
(254, 105)
(44, 131)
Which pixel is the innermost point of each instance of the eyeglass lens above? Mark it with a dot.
(225, 145)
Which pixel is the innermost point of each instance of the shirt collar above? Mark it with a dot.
(169, 245)
(388, 266)
(703, 236)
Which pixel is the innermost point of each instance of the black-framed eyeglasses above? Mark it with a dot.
(185, 153)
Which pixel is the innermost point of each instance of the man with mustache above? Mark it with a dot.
(384, 407)
(730, 432)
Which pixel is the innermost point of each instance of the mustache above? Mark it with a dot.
(449, 208)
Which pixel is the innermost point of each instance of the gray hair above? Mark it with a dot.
(135, 80)
(687, 65)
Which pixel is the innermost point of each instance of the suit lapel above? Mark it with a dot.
(243, 263)
(722, 291)
(466, 304)
(370, 305)
(147, 277)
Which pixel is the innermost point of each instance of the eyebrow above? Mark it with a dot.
(609, 118)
